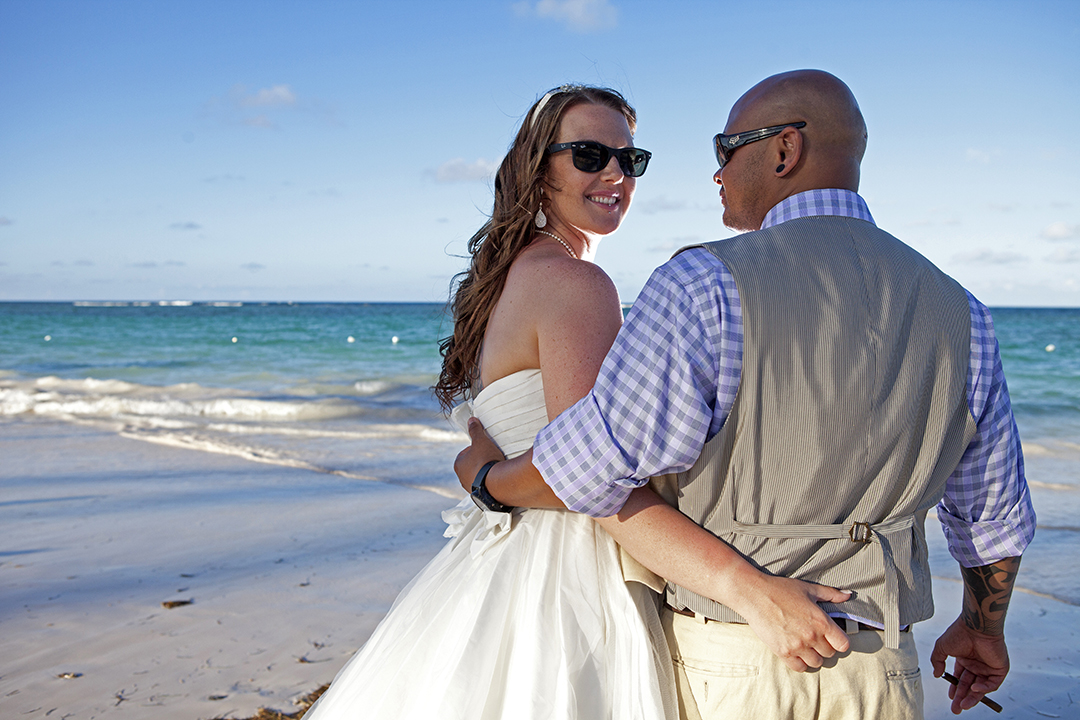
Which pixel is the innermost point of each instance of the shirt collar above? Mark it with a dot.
(821, 201)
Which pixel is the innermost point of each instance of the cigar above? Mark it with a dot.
(985, 700)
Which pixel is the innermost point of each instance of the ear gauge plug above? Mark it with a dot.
(780, 168)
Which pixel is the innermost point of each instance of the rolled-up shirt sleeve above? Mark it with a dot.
(986, 512)
(665, 387)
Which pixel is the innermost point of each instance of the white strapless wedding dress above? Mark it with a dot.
(521, 616)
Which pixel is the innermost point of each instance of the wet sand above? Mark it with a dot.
(287, 572)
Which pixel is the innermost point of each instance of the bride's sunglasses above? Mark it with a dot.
(591, 157)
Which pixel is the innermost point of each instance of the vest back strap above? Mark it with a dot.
(859, 532)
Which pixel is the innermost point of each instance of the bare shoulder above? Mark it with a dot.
(556, 277)
(549, 299)
(561, 296)
(572, 312)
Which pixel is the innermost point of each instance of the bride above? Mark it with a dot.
(535, 614)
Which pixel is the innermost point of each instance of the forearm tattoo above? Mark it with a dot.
(987, 590)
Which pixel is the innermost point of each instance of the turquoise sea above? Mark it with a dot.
(339, 388)
(343, 388)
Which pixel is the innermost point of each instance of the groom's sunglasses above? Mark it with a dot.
(592, 157)
(726, 144)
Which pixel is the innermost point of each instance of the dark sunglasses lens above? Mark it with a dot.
(721, 151)
(633, 162)
(590, 157)
(593, 157)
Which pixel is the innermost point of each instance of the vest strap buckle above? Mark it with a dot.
(860, 532)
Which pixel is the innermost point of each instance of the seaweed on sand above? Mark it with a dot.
(305, 703)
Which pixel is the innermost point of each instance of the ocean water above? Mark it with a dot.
(337, 388)
(1040, 351)
(345, 389)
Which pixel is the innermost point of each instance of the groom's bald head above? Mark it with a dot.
(825, 153)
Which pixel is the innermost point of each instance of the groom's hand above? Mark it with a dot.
(471, 459)
(787, 618)
(982, 662)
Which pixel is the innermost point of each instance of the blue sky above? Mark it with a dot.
(273, 150)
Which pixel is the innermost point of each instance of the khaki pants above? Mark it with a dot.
(723, 671)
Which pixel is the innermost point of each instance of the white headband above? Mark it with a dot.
(543, 101)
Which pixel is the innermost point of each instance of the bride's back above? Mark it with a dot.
(557, 314)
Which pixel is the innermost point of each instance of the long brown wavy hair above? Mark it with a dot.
(510, 229)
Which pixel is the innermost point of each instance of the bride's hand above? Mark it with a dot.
(785, 615)
(471, 459)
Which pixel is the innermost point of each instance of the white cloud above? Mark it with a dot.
(224, 178)
(576, 15)
(989, 257)
(1064, 255)
(670, 246)
(981, 156)
(260, 107)
(1061, 231)
(933, 217)
(276, 96)
(659, 204)
(457, 170)
(260, 121)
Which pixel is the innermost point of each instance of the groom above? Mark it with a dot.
(816, 387)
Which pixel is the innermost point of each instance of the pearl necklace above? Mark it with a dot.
(561, 242)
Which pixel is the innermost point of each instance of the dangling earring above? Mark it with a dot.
(541, 218)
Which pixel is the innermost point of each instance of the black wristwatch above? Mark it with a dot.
(480, 494)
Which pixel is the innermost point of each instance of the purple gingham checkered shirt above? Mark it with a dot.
(670, 379)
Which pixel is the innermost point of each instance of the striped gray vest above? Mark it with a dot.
(850, 415)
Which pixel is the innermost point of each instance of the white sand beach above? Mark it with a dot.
(287, 570)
